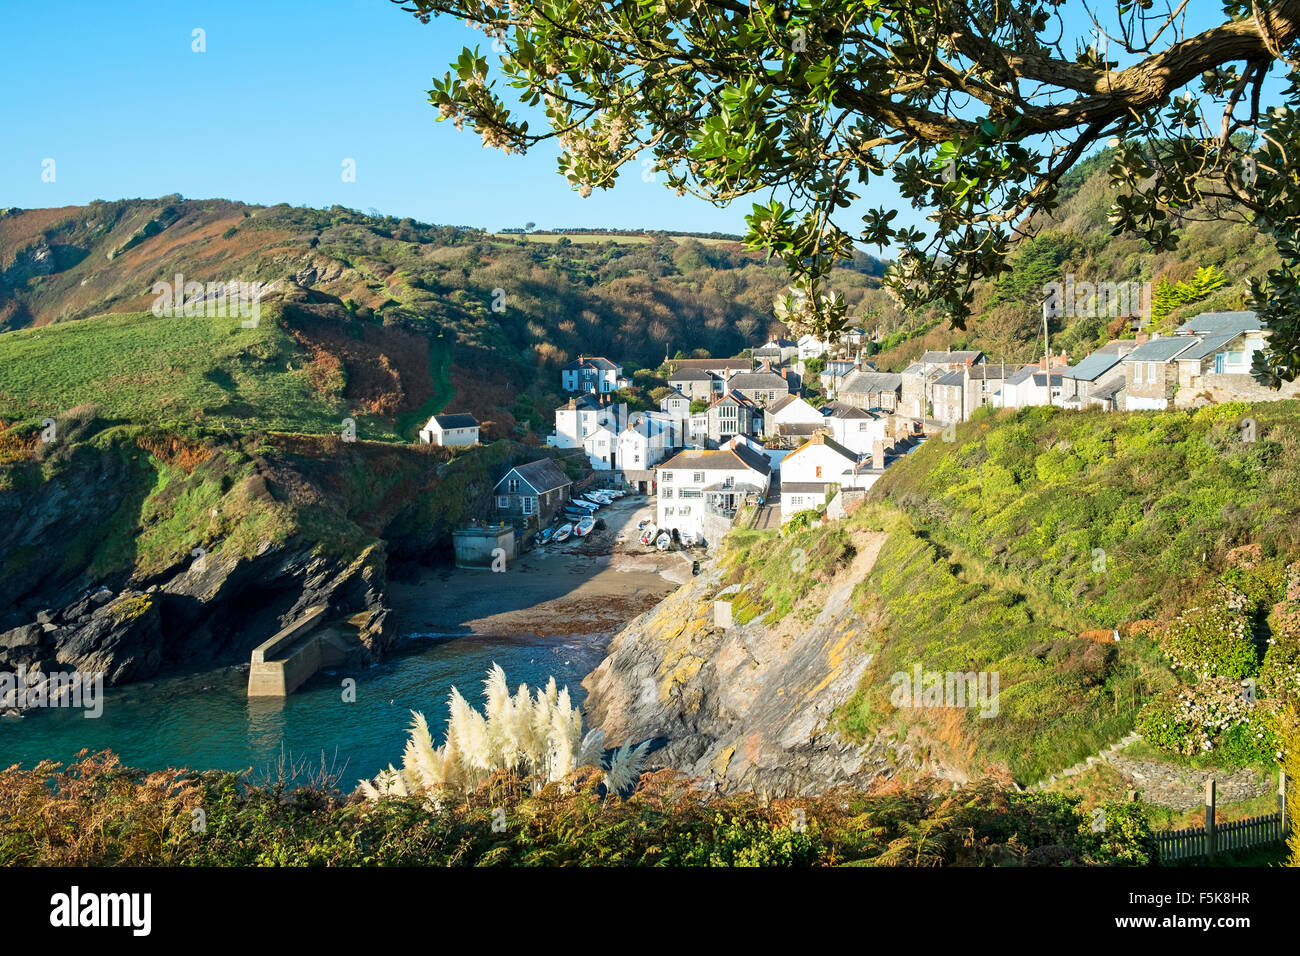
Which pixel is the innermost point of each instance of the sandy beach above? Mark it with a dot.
(591, 585)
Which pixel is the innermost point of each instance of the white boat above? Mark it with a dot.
(648, 533)
(688, 539)
(562, 533)
(663, 541)
(584, 504)
(584, 526)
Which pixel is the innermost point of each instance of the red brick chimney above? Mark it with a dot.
(1141, 338)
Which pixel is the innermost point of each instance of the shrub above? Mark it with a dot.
(1214, 717)
(1213, 639)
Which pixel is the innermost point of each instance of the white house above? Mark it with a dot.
(856, 429)
(676, 404)
(450, 430)
(647, 440)
(579, 417)
(810, 347)
(696, 483)
(784, 350)
(809, 470)
(1028, 387)
(601, 446)
(592, 373)
(697, 429)
(787, 413)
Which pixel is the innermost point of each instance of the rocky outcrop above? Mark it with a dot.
(210, 613)
(748, 707)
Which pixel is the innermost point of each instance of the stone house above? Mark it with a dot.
(537, 489)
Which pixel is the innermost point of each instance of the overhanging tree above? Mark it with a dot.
(975, 108)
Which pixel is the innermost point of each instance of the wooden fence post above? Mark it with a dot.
(1211, 840)
(1281, 801)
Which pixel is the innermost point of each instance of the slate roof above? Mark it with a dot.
(1210, 343)
(952, 378)
(1160, 350)
(592, 361)
(1117, 347)
(690, 375)
(765, 380)
(830, 443)
(803, 487)
(544, 475)
(1092, 367)
(839, 409)
(779, 403)
(806, 429)
(1111, 390)
(741, 364)
(1021, 375)
(865, 383)
(456, 421)
(721, 459)
(943, 358)
(992, 371)
(1221, 322)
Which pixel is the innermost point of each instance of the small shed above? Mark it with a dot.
(484, 547)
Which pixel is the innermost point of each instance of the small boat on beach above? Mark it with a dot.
(648, 533)
(562, 533)
(583, 527)
(663, 541)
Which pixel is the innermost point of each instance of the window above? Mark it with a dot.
(685, 511)
(529, 504)
(1151, 372)
(862, 426)
(668, 477)
(513, 485)
(819, 471)
(1137, 372)
(668, 512)
(667, 493)
(691, 493)
(698, 477)
(503, 501)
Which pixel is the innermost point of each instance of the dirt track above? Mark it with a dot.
(591, 585)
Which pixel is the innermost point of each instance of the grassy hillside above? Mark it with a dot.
(171, 372)
(1021, 546)
(398, 319)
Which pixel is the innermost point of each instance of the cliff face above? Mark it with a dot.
(750, 706)
(130, 552)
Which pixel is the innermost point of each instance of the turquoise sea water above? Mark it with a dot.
(206, 721)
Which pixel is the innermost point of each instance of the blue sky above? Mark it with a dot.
(286, 91)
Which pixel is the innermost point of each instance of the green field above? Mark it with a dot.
(177, 372)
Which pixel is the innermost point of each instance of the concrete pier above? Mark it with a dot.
(280, 665)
